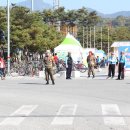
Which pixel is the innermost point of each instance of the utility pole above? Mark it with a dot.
(87, 35)
(90, 38)
(101, 37)
(56, 5)
(94, 36)
(108, 40)
(8, 37)
(83, 36)
(32, 5)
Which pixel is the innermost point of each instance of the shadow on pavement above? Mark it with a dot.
(33, 83)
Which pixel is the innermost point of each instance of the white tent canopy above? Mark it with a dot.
(70, 44)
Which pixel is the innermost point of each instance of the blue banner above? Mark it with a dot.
(126, 50)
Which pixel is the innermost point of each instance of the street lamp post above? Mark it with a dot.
(8, 37)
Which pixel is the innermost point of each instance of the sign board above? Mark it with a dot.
(125, 49)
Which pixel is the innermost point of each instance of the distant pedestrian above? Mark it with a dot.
(111, 67)
(121, 66)
(69, 64)
(49, 63)
(91, 63)
(56, 60)
(2, 68)
(98, 61)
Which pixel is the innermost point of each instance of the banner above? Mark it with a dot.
(126, 50)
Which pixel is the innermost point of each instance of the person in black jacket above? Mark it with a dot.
(69, 64)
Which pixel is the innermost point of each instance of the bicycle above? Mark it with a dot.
(79, 67)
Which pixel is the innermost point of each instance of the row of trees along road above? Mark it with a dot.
(36, 31)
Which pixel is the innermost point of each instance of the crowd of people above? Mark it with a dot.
(51, 60)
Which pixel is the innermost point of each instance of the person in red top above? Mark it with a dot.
(2, 68)
(56, 59)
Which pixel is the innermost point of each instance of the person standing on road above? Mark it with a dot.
(111, 68)
(98, 61)
(56, 60)
(49, 63)
(121, 66)
(91, 63)
(2, 68)
(69, 64)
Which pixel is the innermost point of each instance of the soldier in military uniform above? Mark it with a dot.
(49, 63)
(91, 63)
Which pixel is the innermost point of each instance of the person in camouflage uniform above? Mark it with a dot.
(49, 63)
(91, 64)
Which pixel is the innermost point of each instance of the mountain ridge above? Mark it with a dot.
(41, 5)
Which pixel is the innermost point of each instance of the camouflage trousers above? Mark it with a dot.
(49, 73)
(91, 70)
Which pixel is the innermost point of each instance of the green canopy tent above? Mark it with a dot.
(69, 44)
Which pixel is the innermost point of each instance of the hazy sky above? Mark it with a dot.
(104, 6)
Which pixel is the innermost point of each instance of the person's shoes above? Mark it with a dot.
(53, 82)
(112, 77)
(93, 76)
(2, 78)
(122, 79)
(117, 79)
(47, 82)
(68, 78)
(88, 76)
(108, 77)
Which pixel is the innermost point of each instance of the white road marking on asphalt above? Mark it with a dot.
(64, 115)
(110, 111)
(22, 111)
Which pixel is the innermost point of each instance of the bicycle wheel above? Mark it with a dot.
(21, 71)
(82, 68)
(14, 72)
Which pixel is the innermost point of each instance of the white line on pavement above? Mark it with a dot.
(110, 111)
(25, 110)
(64, 115)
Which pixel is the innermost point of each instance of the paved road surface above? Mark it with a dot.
(79, 104)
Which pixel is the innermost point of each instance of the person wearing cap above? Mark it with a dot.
(111, 68)
(49, 63)
(69, 64)
(91, 63)
(121, 66)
